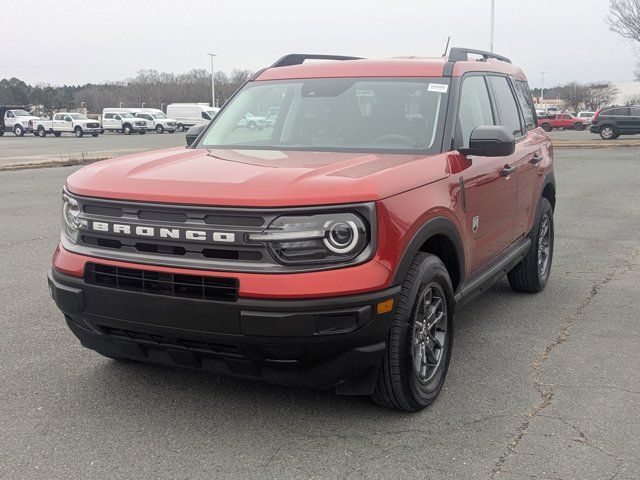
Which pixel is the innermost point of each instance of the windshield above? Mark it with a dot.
(158, 115)
(126, 115)
(77, 116)
(334, 114)
(21, 113)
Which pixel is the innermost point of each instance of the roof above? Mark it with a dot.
(392, 67)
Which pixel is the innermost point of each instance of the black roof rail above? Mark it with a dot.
(462, 55)
(299, 58)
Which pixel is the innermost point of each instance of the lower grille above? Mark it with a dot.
(160, 283)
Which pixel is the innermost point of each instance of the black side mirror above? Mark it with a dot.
(490, 141)
(193, 133)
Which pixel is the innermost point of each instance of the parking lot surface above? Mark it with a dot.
(540, 386)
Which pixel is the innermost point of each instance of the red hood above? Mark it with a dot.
(260, 178)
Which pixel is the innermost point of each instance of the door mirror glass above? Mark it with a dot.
(490, 141)
(193, 133)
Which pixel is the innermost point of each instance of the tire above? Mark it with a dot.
(159, 129)
(57, 134)
(79, 132)
(142, 132)
(94, 135)
(180, 127)
(607, 133)
(18, 131)
(126, 129)
(532, 274)
(406, 382)
(1, 133)
(41, 132)
(547, 127)
(579, 126)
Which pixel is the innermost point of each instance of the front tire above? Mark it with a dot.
(94, 134)
(608, 133)
(159, 129)
(127, 130)
(532, 274)
(57, 134)
(79, 133)
(41, 132)
(180, 127)
(420, 340)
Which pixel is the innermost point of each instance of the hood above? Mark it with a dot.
(258, 178)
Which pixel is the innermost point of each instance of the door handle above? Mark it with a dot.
(537, 158)
(507, 170)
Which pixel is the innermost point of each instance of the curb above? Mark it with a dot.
(49, 164)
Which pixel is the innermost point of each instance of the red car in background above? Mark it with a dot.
(562, 121)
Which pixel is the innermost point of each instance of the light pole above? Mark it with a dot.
(542, 89)
(213, 87)
(493, 14)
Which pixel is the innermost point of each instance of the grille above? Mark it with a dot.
(93, 125)
(169, 342)
(160, 283)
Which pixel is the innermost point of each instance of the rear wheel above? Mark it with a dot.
(18, 131)
(531, 275)
(420, 340)
(78, 131)
(607, 133)
(547, 127)
(159, 129)
(579, 126)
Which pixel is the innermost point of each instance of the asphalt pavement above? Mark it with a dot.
(540, 386)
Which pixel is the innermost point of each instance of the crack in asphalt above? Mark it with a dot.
(544, 390)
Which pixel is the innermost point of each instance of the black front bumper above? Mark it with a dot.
(320, 343)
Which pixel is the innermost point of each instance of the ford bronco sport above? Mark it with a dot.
(330, 248)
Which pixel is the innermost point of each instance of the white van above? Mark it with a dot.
(122, 120)
(190, 114)
(156, 119)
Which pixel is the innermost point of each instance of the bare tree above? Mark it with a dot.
(624, 18)
(600, 95)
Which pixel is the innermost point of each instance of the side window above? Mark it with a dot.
(58, 117)
(108, 116)
(635, 112)
(67, 118)
(618, 112)
(506, 104)
(475, 108)
(10, 115)
(116, 116)
(206, 116)
(526, 104)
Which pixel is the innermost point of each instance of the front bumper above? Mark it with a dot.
(321, 343)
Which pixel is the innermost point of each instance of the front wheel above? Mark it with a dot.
(94, 134)
(420, 340)
(57, 134)
(18, 131)
(607, 133)
(142, 132)
(532, 274)
(159, 129)
(79, 133)
(579, 126)
(41, 132)
(180, 127)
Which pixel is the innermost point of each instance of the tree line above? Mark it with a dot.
(581, 96)
(149, 87)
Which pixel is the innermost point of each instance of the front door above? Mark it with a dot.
(490, 191)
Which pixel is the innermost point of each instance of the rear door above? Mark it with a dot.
(67, 124)
(58, 122)
(634, 119)
(490, 195)
(621, 119)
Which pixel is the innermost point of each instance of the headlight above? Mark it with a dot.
(24, 122)
(70, 218)
(326, 238)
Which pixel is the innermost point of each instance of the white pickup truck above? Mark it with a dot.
(16, 120)
(66, 123)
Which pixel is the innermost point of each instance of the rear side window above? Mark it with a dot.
(475, 108)
(635, 112)
(617, 112)
(506, 104)
(526, 104)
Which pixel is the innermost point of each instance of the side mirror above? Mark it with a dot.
(193, 133)
(490, 141)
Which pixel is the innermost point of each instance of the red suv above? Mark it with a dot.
(330, 248)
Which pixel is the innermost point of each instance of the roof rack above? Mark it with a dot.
(462, 55)
(299, 58)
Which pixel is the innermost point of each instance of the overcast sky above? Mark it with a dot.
(72, 42)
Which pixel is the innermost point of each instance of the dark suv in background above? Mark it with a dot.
(611, 122)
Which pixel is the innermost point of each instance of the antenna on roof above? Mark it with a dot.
(446, 48)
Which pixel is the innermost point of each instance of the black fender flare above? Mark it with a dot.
(549, 179)
(435, 226)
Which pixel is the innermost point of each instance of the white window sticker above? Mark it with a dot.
(438, 87)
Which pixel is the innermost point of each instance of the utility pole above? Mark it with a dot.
(493, 23)
(213, 87)
(542, 89)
